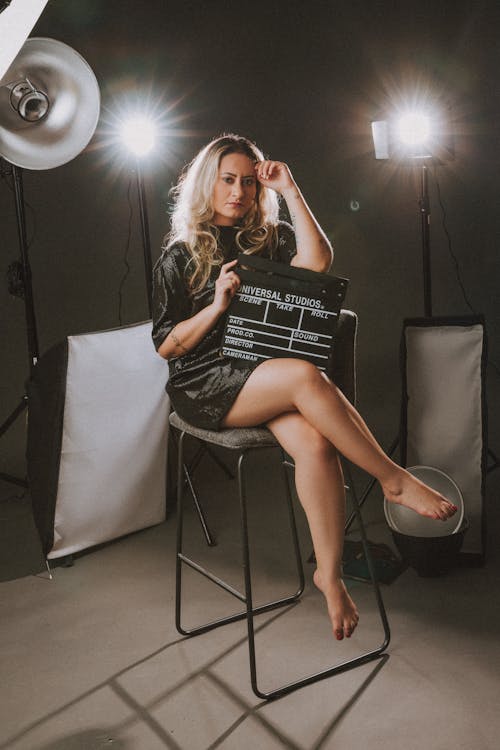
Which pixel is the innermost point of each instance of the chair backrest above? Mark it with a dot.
(343, 371)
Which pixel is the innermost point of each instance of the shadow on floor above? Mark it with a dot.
(143, 713)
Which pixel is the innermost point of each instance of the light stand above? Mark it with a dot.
(385, 148)
(26, 292)
(425, 215)
(35, 134)
(443, 409)
(415, 137)
(138, 134)
(27, 285)
(146, 241)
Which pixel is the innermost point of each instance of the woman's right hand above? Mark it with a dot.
(226, 286)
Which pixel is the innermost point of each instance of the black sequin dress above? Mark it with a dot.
(203, 384)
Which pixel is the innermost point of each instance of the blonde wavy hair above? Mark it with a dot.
(192, 214)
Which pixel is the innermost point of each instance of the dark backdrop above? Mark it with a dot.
(303, 80)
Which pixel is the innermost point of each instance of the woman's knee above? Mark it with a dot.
(316, 447)
(301, 440)
(300, 373)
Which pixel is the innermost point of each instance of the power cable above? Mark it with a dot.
(455, 260)
(450, 248)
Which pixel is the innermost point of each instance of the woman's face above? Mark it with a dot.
(235, 189)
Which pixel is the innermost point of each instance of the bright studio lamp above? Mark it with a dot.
(412, 134)
(443, 421)
(138, 135)
(416, 136)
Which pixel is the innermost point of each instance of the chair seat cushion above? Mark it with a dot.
(237, 438)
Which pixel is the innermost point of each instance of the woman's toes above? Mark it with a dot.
(447, 511)
(351, 627)
(342, 610)
(338, 627)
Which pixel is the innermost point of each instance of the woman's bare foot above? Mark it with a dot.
(341, 608)
(407, 490)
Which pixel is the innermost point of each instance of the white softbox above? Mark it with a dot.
(444, 421)
(97, 439)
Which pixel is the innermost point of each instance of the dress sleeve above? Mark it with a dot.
(171, 303)
(287, 245)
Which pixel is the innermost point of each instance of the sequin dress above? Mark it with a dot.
(202, 383)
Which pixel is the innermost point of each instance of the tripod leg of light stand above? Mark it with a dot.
(47, 565)
(496, 461)
(15, 414)
(20, 408)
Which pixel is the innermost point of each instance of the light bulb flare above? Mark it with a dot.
(414, 129)
(139, 135)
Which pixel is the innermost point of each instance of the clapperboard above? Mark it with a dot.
(283, 311)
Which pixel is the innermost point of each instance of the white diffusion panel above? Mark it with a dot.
(445, 411)
(114, 445)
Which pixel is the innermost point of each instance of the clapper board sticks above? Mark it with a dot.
(283, 311)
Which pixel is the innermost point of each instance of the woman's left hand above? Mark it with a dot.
(275, 175)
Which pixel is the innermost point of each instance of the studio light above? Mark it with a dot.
(443, 409)
(417, 135)
(49, 107)
(139, 135)
(414, 128)
(413, 134)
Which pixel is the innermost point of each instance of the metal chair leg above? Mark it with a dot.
(246, 597)
(182, 559)
(293, 523)
(369, 561)
(199, 509)
(323, 674)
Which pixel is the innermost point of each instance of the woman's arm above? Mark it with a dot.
(314, 250)
(188, 333)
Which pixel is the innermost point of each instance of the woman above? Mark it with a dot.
(227, 203)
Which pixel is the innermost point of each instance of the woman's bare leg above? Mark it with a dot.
(280, 386)
(320, 487)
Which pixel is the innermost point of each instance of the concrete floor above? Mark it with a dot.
(92, 659)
